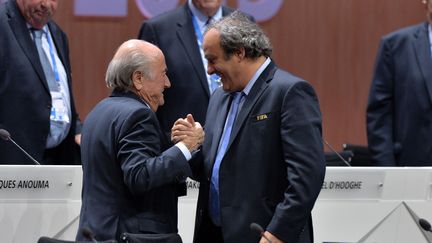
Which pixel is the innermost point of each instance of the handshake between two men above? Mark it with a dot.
(189, 132)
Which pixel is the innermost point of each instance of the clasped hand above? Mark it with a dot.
(189, 132)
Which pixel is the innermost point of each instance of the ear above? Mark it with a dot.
(240, 54)
(137, 80)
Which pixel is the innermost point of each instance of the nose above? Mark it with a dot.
(167, 83)
(210, 69)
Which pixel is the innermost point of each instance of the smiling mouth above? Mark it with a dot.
(42, 13)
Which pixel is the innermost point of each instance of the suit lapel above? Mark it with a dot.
(186, 35)
(220, 117)
(257, 90)
(22, 35)
(423, 53)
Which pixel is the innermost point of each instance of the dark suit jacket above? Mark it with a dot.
(274, 166)
(129, 181)
(174, 34)
(25, 100)
(399, 112)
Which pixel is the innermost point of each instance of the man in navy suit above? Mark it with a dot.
(131, 173)
(36, 101)
(399, 111)
(262, 160)
(178, 34)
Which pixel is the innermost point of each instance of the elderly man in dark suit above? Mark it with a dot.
(399, 111)
(179, 35)
(131, 173)
(36, 101)
(262, 160)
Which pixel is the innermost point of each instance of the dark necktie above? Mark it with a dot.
(209, 21)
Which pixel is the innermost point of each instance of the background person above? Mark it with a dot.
(36, 101)
(399, 110)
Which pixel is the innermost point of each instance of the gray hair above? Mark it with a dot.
(238, 31)
(123, 65)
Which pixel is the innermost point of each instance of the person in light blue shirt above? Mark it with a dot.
(36, 101)
(262, 159)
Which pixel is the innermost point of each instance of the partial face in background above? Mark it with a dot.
(153, 85)
(228, 69)
(208, 7)
(37, 12)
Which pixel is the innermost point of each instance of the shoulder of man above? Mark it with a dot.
(168, 17)
(406, 31)
(284, 80)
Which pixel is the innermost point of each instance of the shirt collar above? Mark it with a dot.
(44, 28)
(254, 78)
(202, 18)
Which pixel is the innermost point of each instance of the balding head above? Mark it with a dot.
(131, 46)
(140, 67)
(131, 56)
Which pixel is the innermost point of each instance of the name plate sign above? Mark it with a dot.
(343, 184)
(40, 182)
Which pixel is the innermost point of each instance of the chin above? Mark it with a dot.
(225, 88)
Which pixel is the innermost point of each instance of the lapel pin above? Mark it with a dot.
(261, 117)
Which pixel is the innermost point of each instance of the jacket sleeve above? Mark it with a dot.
(144, 166)
(304, 158)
